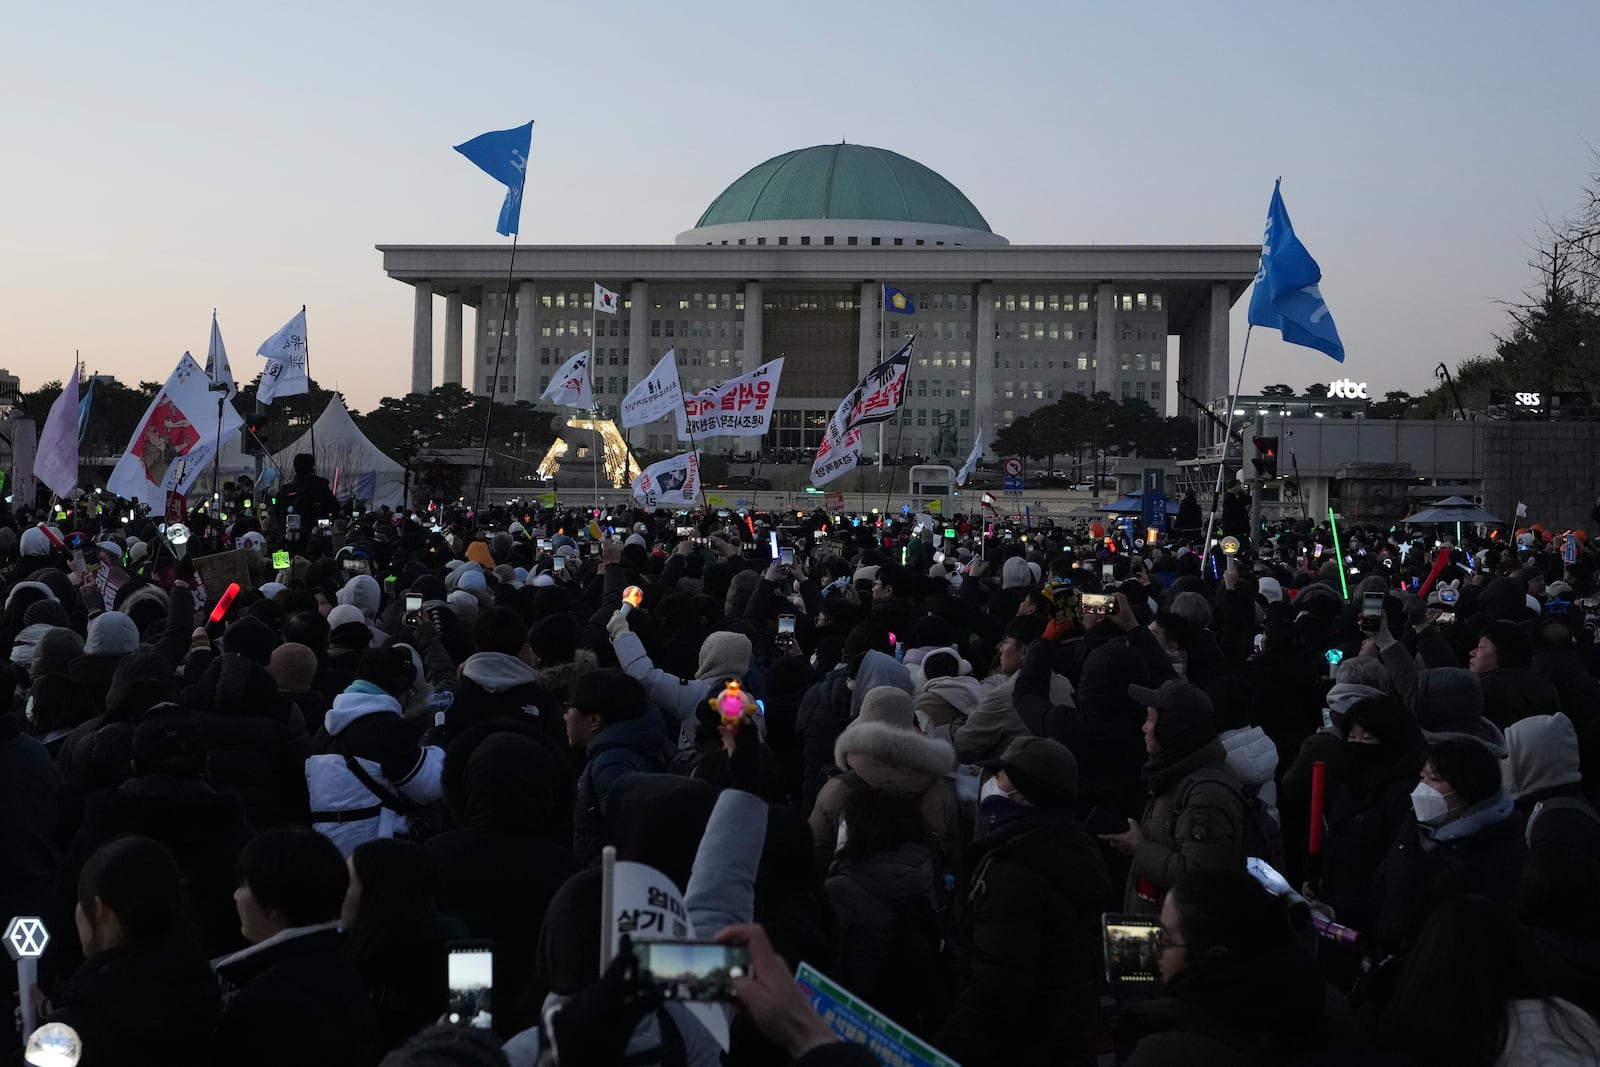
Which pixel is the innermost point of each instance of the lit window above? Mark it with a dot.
(1155, 361)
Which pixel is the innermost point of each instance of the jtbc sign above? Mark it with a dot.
(1346, 389)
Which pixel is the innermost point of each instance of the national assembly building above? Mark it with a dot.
(790, 260)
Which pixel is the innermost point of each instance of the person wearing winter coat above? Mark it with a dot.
(30, 798)
(996, 723)
(1252, 755)
(1512, 689)
(882, 750)
(557, 660)
(1237, 988)
(499, 680)
(369, 774)
(292, 996)
(1463, 836)
(143, 976)
(363, 592)
(1544, 780)
(1447, 701)
(1366, 802)
(169, 800)
(830, 704)
(611, 719)
(1186, 826)
(112, 635)
(256, 738)
(947, 694)
(1034, 889)
(724, 655)
(499, 870)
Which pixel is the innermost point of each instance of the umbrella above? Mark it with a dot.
(1451, 509)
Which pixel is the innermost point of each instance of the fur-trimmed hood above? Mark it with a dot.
(893, 758)
(557, 678)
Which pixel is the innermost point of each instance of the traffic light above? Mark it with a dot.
(1265, 458)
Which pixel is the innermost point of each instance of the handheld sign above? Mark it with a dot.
(281, 560)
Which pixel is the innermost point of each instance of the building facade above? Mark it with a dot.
(789, 261)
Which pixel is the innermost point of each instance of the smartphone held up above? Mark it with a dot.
(691, 970)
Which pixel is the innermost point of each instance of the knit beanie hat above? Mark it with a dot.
(250, 638)
(890, 706)
(111, 634)
(293, 667)
(46, 613)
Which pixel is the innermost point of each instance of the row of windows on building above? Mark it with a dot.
(1014, 390)
(830, 240)
(1122, 300)
(1127, 361)
(613, 356)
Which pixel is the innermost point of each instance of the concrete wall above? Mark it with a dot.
(1553, 467)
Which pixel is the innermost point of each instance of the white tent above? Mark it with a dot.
(364, 472)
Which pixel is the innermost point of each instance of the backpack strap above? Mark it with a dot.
(1574, 804)
(387, 798)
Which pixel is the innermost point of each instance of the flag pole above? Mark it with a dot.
(883, 307)
(494, 380)
(312, 415)
(905, 385)
(1227, 443)
(594, 415)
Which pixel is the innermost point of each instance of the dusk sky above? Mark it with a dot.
(164, 159)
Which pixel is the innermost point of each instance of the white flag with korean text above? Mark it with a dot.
(659, 394)
(738, 407)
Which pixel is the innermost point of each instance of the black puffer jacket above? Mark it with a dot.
(257, 739)
(296, 1001)
(824, 713)
(1035, 889)
(870, 897)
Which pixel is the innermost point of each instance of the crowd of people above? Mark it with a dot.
(255, 823)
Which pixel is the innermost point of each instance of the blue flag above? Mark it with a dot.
(503, 155)
(84, 406)
(897, 302)
(1286, 297)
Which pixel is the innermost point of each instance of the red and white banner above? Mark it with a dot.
(875, 398)
(739, 407)
(176, 438)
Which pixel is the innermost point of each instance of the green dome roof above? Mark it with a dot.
(843, 181)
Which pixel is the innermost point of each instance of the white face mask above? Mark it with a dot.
(991, 788)
(1430, 805)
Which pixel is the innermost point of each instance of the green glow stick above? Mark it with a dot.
(1338, 554)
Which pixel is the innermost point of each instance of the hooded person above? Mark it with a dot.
(827, 708)
(1035, 888)
(499, 682)
(53, 705)
(946, 693)
(1542, 775)
(37, 619)
(882, 750)
(349, 636)
(369, 774)
(502, 865)
(257, 737)
(1252, 756)
(724, 655)
(1194, 815)
(294, 668)
(364, 593)
(112, 635)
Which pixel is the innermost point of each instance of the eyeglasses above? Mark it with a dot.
(1164, 940)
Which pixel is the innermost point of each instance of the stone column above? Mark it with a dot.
(527, 364)
(422, 339)
(639, 350)
(752, 326)
(452, 338)
(1107, 370)
(871, 317)
(478, 319)
(986, 403)
(1218, 374)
